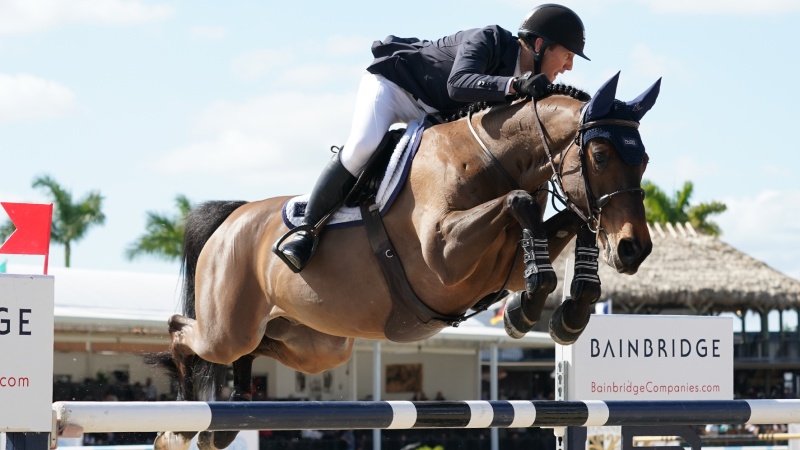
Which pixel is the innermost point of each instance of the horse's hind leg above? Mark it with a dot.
(302, 348)
(524, 308)
(571, 317)
(179, 440)
(242, 387)
(242, 379)
(197, 380)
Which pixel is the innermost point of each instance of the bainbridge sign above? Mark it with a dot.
(26, 346)
(651, 357)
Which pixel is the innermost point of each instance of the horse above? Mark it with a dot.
(475, 196)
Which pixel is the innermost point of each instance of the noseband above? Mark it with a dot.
(594, 203)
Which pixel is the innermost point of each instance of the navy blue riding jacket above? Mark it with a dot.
(469, 66)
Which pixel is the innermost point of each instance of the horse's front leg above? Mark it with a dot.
(454, 244)
(560, 229)
(524, 308)
(571, 317)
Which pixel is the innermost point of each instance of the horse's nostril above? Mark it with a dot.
(629, 250)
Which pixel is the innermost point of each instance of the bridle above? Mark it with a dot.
(594, 203)
(593, 216)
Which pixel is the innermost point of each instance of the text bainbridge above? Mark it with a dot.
(654, 348)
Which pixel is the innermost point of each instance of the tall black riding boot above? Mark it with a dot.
(327, 195)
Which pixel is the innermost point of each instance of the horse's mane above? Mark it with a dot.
(553, 89)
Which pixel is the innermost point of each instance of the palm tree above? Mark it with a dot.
(164, 236)
(71, 221)
(5, 230)
(663, 209)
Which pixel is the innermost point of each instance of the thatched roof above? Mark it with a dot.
(687, 270)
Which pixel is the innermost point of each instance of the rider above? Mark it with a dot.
(409, 79)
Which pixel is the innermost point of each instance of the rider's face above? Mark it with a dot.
(556, 60)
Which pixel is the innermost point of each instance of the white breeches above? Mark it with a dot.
(379, 104)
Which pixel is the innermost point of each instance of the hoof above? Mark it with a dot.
(171, 441)
(561, 333)
(215, 440)
(514, 319)
(222, 439)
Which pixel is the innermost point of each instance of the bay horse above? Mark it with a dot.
(475, 195)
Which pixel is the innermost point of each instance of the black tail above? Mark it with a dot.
(199, 379)
(200, 225)
(206, 378)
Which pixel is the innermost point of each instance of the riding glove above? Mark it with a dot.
(533, 85)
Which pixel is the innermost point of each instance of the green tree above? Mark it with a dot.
(71, 221)
(164, 234)
(663, 209)
(5, 230)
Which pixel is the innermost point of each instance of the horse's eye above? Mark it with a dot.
(600, 158)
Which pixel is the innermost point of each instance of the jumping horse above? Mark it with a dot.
(475, 195)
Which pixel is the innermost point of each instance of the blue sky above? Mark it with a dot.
(145, 100)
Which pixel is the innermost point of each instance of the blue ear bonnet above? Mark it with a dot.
(626, 140)
(604, 106)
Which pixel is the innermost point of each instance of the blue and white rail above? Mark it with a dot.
(98, 417)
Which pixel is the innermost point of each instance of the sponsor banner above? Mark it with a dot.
(643, 357)
(26, 346)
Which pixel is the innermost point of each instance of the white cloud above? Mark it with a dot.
(346, 46)
(672, 176)
(257, 63)
(724, 6)
(25, 16)
(208, 33)
(19, 197)
(264, 140)
(229, 151)
(27, 97)
(653, 65)
(766, 226)
(776, 171)
(327, 68)
(321, 75)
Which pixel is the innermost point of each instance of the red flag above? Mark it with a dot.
(32, 236)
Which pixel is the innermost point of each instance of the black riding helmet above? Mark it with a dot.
(555, 24)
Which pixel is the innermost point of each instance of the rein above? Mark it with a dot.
(492, 160)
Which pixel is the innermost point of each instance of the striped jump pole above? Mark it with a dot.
(99, 417)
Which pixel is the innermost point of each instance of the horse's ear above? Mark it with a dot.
(641, 104)
(601, 103)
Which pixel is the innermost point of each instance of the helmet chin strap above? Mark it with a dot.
(537, 56)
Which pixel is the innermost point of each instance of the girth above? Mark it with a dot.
(410, 319)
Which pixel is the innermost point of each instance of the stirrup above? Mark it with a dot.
(279, 253)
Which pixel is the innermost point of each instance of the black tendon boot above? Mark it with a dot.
(327, 195)
(571, 317)
(524, 308)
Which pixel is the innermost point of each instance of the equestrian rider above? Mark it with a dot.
(409, 79)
